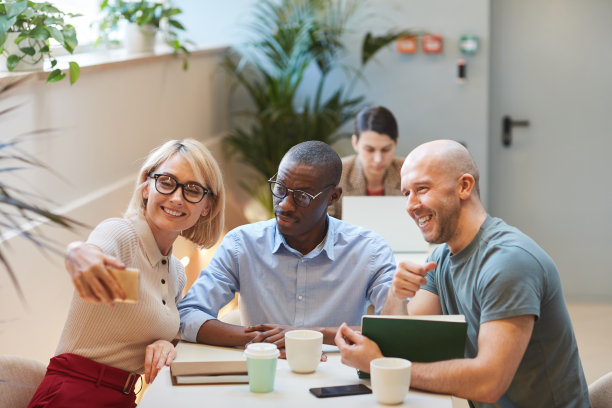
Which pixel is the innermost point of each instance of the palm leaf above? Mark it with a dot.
(19, 209)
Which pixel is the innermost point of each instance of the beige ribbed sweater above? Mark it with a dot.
(118, 335)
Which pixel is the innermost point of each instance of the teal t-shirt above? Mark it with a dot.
(503, 273)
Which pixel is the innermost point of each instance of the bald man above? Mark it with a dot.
(521, 350)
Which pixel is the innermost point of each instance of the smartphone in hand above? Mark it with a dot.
(340, 390)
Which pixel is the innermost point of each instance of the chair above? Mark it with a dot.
(601, 392)
(19, 378)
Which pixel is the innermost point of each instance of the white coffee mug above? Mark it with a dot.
(303, 349)
(390, 378)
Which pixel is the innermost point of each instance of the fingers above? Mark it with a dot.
(87, 265)
(276, 336)
(157, 355)
(340, 338)
(259, 327)
(409, 277)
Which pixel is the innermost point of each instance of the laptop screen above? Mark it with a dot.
(387, 216)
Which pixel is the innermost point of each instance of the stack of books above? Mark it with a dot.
(203, 364)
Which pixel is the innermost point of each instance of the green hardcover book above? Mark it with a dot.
(417, 338)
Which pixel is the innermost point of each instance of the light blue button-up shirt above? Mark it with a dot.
(334, 283)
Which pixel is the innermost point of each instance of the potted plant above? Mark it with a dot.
(25, 30)
(144, 20)
(291, 36)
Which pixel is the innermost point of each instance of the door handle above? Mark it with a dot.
(507, 125)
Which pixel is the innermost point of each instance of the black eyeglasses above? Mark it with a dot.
(300, 198)
(192, 192)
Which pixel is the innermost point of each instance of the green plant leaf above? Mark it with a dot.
(6, 23)
(16, 8)
(70, 38)
(55, 76)
(372, 44)
(3, 38)
(75, 72)
(40, 33)
(176, 23)
(28, 50)
(12, 61)
(56, 34)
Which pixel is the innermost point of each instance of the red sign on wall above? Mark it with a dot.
(431, 43)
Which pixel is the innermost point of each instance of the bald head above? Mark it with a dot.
(448, 157)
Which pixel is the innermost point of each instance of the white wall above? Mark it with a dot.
(420, 89)
(107, 122)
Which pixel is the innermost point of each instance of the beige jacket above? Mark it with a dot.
(353, 181)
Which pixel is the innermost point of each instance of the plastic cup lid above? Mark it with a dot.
(261, 350)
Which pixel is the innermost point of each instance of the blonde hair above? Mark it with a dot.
(207, 230)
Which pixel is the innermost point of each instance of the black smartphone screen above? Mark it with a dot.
(340, 390)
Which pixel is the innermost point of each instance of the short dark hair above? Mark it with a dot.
(315, 153)
(378, 119)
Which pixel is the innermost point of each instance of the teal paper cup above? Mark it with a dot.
(261, 365)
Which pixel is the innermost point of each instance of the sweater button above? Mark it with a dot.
(163, 261)
(163, 281)
(164, 302)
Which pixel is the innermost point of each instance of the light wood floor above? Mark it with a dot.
(593, 327)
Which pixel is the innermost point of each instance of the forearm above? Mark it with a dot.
(394, 305)
(464, 378)
(217, 333)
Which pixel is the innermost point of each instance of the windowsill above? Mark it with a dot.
(108, 59)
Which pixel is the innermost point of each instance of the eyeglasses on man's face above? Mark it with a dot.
(192, 192)
(300, 198)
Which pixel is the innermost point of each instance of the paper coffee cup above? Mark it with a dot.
(128, 280)
(261, 366)
(303, 349)
(390, 379)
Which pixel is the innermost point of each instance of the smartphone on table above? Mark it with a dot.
(340, 390)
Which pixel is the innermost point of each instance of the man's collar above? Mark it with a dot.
(328, 241)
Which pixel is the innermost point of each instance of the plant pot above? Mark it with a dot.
(27, 62)
(140, 38)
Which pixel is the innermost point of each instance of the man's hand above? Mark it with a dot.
(86, 264)
(409, 277)
(356, 350)
(270, 333)
(157, 355)
(274, 333)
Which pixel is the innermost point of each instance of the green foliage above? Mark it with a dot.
(291, 36)
(35, 24)
(144, 13)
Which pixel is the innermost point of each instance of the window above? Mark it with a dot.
(90, 10)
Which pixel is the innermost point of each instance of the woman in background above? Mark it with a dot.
(106, 345)
(373, 171)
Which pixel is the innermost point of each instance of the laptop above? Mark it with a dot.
(387, 216)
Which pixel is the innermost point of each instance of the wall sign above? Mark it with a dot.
(406, 45)
(468, 44)
(431, 43)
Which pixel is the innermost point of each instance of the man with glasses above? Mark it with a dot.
(301, 269)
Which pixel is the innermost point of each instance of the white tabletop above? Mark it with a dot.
(290, 390)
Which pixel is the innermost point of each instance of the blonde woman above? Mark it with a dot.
(105, 345)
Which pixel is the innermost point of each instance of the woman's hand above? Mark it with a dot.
(158, 354)
(87, 266)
